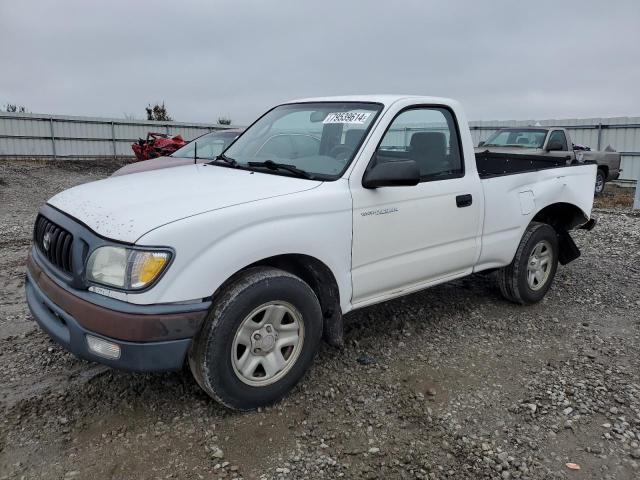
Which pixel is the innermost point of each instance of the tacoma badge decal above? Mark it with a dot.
(381, 211)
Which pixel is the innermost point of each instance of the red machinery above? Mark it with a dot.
(157, 145)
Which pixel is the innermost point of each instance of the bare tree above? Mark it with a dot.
(13, 108)
(158, 112)
(224, 121)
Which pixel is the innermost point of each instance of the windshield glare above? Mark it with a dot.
(209, 145)
(319, 138)
(512, 137)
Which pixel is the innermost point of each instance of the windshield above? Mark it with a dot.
(209, 145)
(517, 137)
(320, 139)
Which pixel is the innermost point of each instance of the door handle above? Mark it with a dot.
(464, 200)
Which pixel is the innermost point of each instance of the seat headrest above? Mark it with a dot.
(435, 142)
(352, 137)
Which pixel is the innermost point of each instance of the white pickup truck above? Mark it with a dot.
(322, 206)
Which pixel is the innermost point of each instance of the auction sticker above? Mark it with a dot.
(347, 117)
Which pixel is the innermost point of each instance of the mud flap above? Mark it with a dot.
(569, 251)
(590, 224)
(333, 329)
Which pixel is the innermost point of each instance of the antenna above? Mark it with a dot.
(195, 153)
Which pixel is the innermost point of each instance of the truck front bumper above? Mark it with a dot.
(153, 341)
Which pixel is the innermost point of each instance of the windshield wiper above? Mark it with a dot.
(225, 159)
(271, 165)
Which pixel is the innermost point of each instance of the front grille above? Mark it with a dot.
(54, 243)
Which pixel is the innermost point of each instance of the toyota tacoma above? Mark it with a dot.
(242, 265)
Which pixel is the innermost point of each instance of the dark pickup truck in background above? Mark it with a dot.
(555, 142)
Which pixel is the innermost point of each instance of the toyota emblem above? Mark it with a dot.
(46, 241)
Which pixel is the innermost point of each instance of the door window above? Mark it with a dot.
(429, 137)
(560, 137)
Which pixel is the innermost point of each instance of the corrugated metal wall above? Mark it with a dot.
(622, 133)
(55, 136)
(33, 135)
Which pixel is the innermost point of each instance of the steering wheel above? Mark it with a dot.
(340, 152)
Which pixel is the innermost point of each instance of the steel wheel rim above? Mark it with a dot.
(267, 343)
(539, 265)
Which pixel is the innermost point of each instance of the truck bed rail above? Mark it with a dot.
(493, 164)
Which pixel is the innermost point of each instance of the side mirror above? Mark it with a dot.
(554, 147)
(480, 144)
(403, 173)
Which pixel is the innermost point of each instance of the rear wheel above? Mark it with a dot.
(258, 340)
(528, 277)
(600, 181)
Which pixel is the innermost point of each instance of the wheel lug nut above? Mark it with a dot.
(257, 336)
(257, 350)
(269, 329)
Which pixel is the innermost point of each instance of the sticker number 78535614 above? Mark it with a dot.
(347, 117)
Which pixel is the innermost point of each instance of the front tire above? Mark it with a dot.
(259, 339)
(529, 276)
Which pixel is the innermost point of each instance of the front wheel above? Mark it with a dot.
(528, 277)
(258, 340)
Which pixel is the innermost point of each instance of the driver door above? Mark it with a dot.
(407, 237)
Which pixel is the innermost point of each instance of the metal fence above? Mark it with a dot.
(26, 135)
(621, 133)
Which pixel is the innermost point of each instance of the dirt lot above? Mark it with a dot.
(452, 382)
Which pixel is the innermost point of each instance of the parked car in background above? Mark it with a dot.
(208, 147)
(241, 265)
(157, 145)
(555, 142)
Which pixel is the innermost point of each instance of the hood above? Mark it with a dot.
(155, 164)
(126, 207)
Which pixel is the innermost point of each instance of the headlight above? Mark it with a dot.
(126, 268)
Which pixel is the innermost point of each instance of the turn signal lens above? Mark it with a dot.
(146, 267)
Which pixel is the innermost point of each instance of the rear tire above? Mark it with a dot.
(529, 276)
(601, 179)
(258, 340)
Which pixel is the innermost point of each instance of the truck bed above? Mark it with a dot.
(516, 187)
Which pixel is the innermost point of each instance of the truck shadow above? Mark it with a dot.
(429, 308)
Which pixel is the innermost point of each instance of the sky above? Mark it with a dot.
(503, 59)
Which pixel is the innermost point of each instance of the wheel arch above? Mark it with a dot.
(561, 216)
(321, 280)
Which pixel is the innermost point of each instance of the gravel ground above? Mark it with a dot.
(452, 382)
